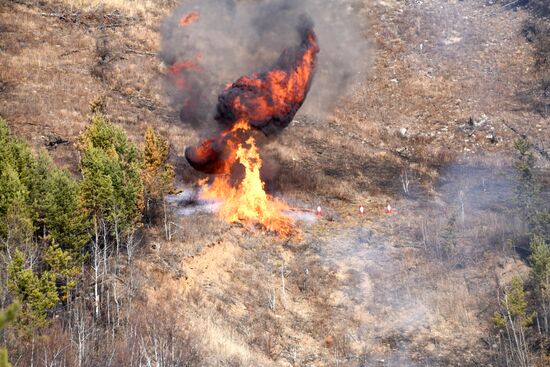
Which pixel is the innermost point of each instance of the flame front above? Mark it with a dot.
(247, 202)
(265, 102)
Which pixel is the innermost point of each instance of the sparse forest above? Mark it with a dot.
(69, 245)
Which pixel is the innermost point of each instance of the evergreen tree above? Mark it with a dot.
(64, 265)
(97, 189)
(526, 189)
(16, 223)
(112, 193)
(61, 214)
(16, 176)
(540, 275)
(112, 188)
(513, 320)
(16, 154)
(158, 174)
(43, 229)
(36, 293)
(533, 208)
(7, 316)
(449, 237)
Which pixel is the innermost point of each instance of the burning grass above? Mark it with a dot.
(248, 202)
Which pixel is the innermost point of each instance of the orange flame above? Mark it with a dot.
(178, 70)
(266, 102)
(248, 203)
(279, 91)
(189, 18)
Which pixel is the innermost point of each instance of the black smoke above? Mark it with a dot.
(235, 38)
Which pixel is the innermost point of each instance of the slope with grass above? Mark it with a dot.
(451, 86)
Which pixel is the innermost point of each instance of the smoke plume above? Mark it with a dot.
(207, 45)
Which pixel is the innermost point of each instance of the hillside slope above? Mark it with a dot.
(451, 85)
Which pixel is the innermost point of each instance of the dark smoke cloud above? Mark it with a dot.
(235, 38)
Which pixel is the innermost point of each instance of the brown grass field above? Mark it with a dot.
(350, 290)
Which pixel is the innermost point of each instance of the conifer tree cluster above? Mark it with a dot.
(62, 239)
(536, 212)
(43, 231)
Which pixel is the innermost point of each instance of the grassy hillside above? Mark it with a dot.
(451, 86)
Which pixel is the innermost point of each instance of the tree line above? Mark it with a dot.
(523, 319)
(67, 244)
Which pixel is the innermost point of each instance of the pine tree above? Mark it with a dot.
(65, 266)
(111, 192)
(513, 320)
(97, 189)
(36, 293)
(7, 316)
(112, 187)
(43, 229)
(158, 174)
(16, 176)
(61, 214)
(16, 154)
(449, 237)
(16, 223)
(532, 207)
(526, 189)
(540, 275)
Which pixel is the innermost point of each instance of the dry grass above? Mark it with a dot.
(50, 82)
(340, 282)
(356, 290)
(433, 72)
(128, 7)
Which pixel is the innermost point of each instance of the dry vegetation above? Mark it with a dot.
(460, 76)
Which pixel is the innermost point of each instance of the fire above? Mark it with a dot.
(264, 99)
(179, 69)
(270, 100)
(189, 18)
(248, 202)
(265, 102)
